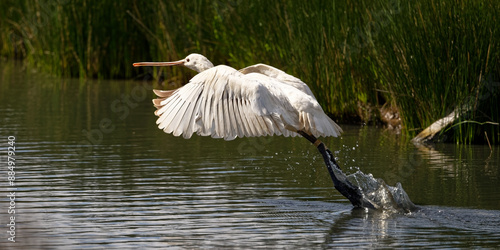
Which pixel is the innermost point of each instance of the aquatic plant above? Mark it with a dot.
(442, 56)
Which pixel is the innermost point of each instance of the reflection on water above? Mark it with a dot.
(93, 171)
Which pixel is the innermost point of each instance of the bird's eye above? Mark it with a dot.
(187, 60)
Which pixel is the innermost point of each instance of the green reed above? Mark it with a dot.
(440, 56)
(425, 58)
(79, 38)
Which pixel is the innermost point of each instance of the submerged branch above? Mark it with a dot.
(430, 132)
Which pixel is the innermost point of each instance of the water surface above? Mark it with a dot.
(93, 171)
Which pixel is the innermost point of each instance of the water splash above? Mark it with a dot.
(363, 190)
(383, 196)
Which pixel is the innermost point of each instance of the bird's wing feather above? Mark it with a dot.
(312, 118)
(279, 75)
(222, 103)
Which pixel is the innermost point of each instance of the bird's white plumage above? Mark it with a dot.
(257, 101)
(279, 75)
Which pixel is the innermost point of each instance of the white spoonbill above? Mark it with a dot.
(258, 100)
(226, 103)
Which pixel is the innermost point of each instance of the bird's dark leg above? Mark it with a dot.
(321, 147)
(344, 186)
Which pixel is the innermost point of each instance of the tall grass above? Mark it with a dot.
(424, 57)
(442, 56)
(77, 38)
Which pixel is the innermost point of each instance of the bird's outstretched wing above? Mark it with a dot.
(312, 118)
(221, 103)
(279, 75)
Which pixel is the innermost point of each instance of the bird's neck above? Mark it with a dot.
(205, 67)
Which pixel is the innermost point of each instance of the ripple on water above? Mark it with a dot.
(138, 188)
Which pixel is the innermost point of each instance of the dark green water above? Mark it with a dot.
(93, 171)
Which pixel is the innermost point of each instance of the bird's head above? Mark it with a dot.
(194, 61)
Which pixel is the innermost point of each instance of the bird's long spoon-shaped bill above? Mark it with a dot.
(180, 62)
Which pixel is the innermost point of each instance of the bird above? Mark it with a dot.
(259, 100)
(222, 102)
